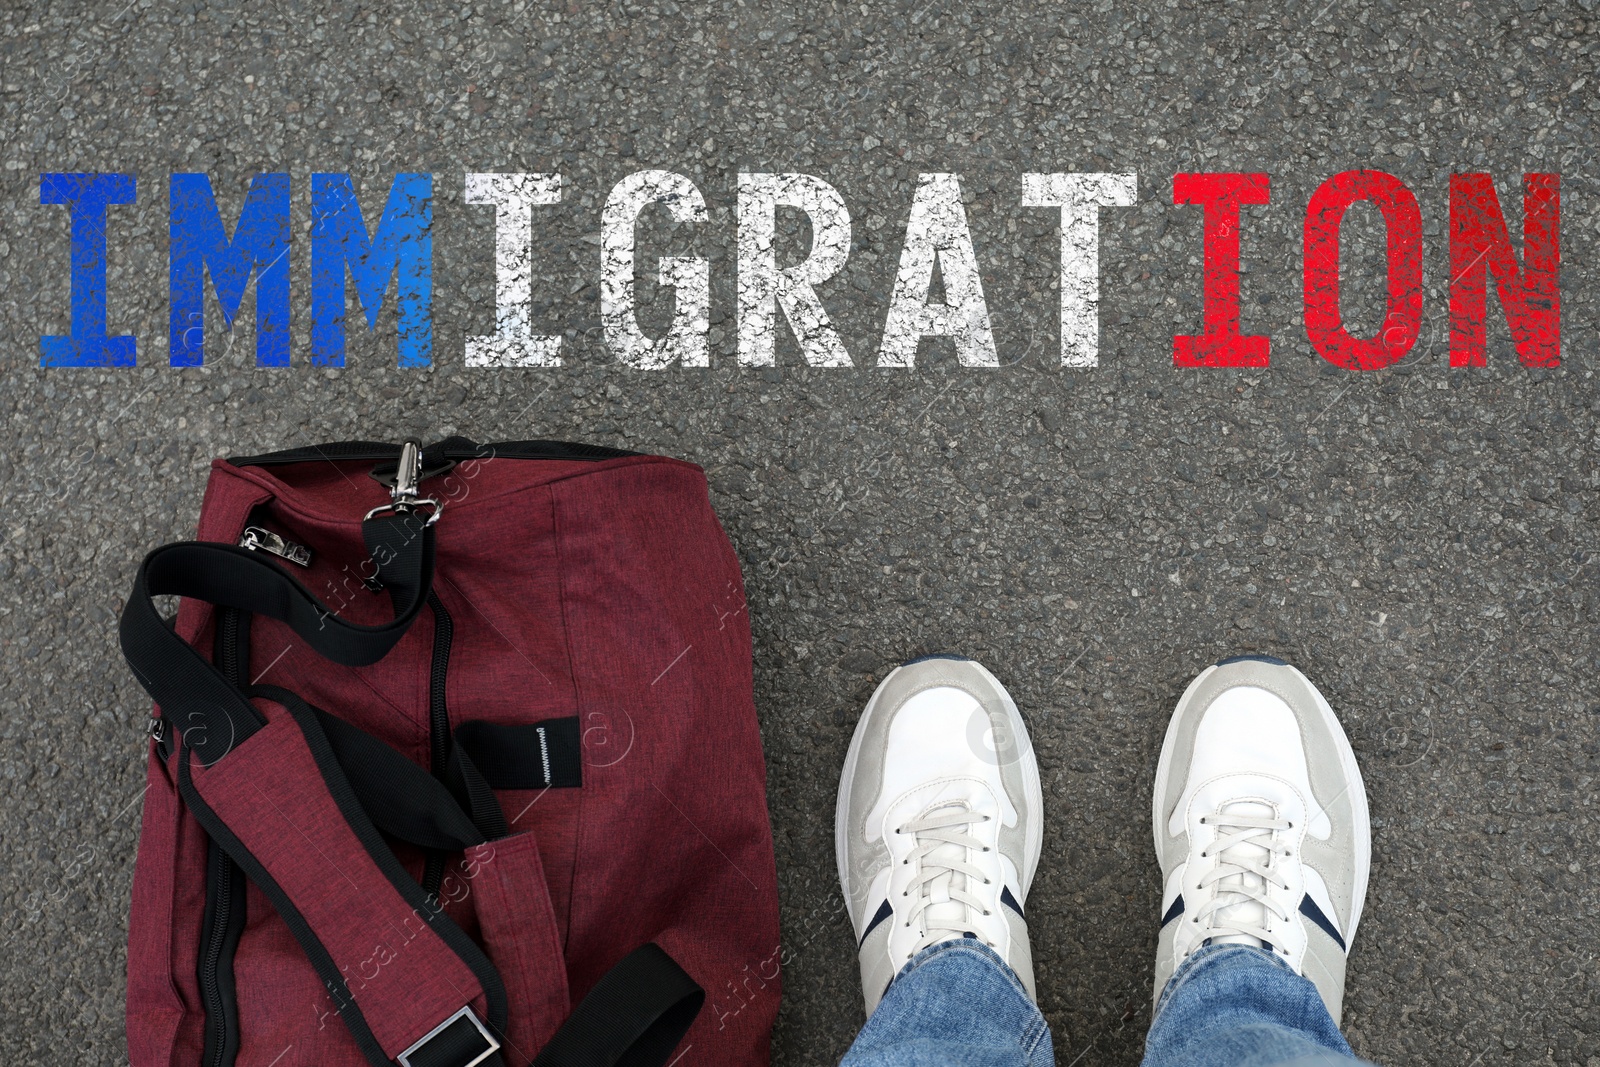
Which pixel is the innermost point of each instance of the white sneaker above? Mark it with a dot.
(938, 826)
(1260, 823)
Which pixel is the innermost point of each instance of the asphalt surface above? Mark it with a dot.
(1419, 540)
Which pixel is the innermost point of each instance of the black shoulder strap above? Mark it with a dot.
(633, 1017)
(194, 696)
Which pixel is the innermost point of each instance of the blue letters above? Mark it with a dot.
(260, 242)
(87, 196)
(403, 246)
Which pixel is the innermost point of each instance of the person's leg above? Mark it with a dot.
(956, 1003)
(1239, 1006)
(1261, 827)
(938, 834)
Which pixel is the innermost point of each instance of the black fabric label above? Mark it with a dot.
(541, 755)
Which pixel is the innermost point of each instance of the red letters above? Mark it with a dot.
(1221, 345)
(1403, 317)
(1531, 296)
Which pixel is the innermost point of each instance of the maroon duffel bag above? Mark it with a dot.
(454, 762)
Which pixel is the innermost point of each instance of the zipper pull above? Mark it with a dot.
(164, 741)
(255, 538)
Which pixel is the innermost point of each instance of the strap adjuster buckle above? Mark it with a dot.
(460, 1041)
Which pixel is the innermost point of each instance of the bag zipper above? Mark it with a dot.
(438, 723)
(225, 908)
(453, 448)
(224, 914)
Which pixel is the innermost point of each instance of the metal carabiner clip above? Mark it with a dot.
(403, 496)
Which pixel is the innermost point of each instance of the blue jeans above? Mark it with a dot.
(958, 1005)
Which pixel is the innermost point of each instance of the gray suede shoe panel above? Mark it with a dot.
(877, 971)
(1021, 955)
(1324, 964)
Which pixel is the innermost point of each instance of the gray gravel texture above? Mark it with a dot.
(1419, 540)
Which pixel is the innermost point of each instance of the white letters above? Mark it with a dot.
(1080, 197)
(937, 231)
(763, 288)
(685, 340)
(937, 256)
(513, 343)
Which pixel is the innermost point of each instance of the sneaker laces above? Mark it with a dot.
(941, 900)
(1240, 907)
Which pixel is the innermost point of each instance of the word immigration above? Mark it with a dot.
(936, 239)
